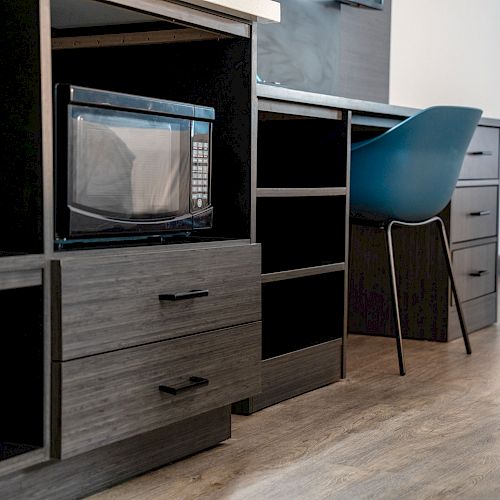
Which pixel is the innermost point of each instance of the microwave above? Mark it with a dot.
(129, 167)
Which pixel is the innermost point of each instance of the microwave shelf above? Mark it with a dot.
(218, 80)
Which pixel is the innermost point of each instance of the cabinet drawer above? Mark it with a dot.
(474, 213)
(113, 396)
(109, 303)
(481, 159)
(475, 270)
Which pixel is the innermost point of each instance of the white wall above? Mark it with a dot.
(446, 52)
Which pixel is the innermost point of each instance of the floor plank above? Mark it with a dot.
(434, 433)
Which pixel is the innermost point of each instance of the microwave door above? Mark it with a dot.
(159, 179)
(130, 168)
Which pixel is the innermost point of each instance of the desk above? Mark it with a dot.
(427, 310)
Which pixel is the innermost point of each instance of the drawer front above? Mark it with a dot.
(481, 159)
(475, 271)
(479, 313)
(113, 396)
(474, 213)
(114, 302)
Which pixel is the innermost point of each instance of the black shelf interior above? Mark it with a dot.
(301, 232)
(301, 312)
(20, 131)
(21, 371)
(300, 152)
(214, 73)
(365, 132)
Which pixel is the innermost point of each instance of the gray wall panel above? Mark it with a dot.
(327, 47)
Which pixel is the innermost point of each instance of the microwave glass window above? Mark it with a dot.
(128, 165)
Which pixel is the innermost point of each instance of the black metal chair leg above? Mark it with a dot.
(395, 303)
(446, 250)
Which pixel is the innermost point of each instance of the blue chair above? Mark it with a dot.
(406, 176)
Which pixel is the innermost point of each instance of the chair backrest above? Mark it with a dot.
(409, 172)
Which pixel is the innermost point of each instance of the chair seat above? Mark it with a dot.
(409, 172)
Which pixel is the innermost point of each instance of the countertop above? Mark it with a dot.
(355, 105)
(254, 10)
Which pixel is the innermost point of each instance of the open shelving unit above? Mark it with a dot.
(153, 48)
(301, 220)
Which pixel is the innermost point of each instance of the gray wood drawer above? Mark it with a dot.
(474, 213)
(474, 269)
(481, 159)
(113, 396)
(109, 303)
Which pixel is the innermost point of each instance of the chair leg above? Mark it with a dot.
(395, 303)
(446, 250)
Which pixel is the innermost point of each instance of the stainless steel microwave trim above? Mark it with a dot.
(81, 95)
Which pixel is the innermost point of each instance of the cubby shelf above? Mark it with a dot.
(300, 206)
(22, 367)
(302, 272)
(300, 192)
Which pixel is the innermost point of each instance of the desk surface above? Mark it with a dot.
(355, 105)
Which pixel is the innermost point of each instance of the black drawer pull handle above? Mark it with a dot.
(481, 213)
(479, 273)
(193, 382)
(191, 294)
(480, 153)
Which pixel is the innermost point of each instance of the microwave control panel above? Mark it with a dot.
(200, 166)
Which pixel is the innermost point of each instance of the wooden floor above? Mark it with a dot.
(432, 434)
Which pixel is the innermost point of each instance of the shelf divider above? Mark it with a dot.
(300, 192)
(301, 272)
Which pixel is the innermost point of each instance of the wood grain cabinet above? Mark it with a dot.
(111, 302)
(474, 231)
(474, 213)
(481, 159)
(475, 270)
(117, 395)
(119, 358)
(144, 338)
